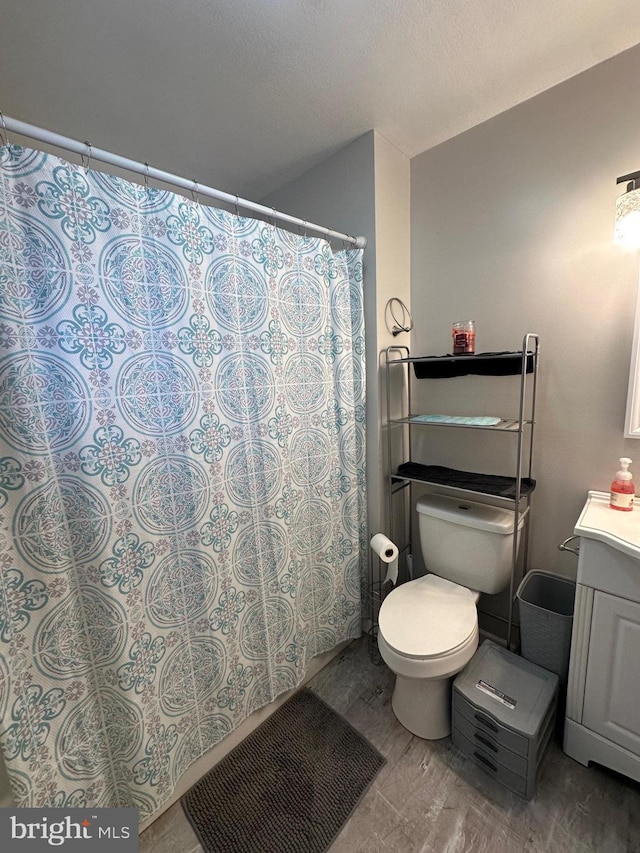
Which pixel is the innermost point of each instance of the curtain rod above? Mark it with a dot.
(85, 149)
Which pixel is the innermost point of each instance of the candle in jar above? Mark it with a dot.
(464, 337)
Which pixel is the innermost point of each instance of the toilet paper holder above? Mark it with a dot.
(387, 552)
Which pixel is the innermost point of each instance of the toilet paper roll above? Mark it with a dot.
(387, 551)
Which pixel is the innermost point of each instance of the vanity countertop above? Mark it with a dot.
(621, 530)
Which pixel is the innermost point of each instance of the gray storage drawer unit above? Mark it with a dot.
(503, 715)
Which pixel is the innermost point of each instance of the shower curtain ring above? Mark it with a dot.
(87, 154)
(146, 177)
(237, 207)
(194, 191)
(4, 135)
(272, 218)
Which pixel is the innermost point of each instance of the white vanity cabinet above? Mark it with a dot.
(603, 693)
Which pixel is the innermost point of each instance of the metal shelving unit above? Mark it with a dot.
(513, 492)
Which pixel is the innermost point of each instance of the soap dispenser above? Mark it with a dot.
(622, 488)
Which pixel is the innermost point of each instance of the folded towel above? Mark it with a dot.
(490, 484)
(482, 364)
(480, 420)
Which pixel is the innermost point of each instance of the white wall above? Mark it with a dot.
(512, 226)
(393, 279)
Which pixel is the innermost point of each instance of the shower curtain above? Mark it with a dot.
(182, 495)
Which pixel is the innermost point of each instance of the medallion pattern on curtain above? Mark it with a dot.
(182, 492)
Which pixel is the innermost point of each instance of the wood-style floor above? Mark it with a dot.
(429, 798)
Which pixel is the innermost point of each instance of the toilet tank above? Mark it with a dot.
(467, 542)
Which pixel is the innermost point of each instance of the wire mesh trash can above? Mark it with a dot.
(545, 602)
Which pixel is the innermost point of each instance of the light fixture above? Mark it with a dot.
(627, 230)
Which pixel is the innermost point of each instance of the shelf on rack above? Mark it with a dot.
(482, 364)
(489, 484)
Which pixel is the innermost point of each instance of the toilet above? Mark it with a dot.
(428, 627)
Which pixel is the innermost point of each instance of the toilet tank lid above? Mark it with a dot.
(466, 513)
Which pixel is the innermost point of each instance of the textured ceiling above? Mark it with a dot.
(245, 95)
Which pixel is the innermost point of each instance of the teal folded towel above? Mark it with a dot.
(481, 420)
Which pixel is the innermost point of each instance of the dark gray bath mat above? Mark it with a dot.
(289, 787)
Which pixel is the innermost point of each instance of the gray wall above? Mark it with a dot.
(364, 189)
(340, 193)
(512, 225)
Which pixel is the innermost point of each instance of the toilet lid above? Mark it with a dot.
(427, 617)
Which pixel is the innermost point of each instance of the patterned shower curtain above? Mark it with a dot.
(182, 505)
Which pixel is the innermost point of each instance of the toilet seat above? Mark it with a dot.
(427, 618)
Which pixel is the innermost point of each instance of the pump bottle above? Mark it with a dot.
(622, 488)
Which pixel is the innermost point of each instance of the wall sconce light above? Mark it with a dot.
(627, 230)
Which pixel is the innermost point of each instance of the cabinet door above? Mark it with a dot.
(612, 690)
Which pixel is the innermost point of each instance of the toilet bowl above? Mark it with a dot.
(428, 627)
(427, 633)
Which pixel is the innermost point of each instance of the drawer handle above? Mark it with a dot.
(485, 761)
(486, 723)
(485, 742)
